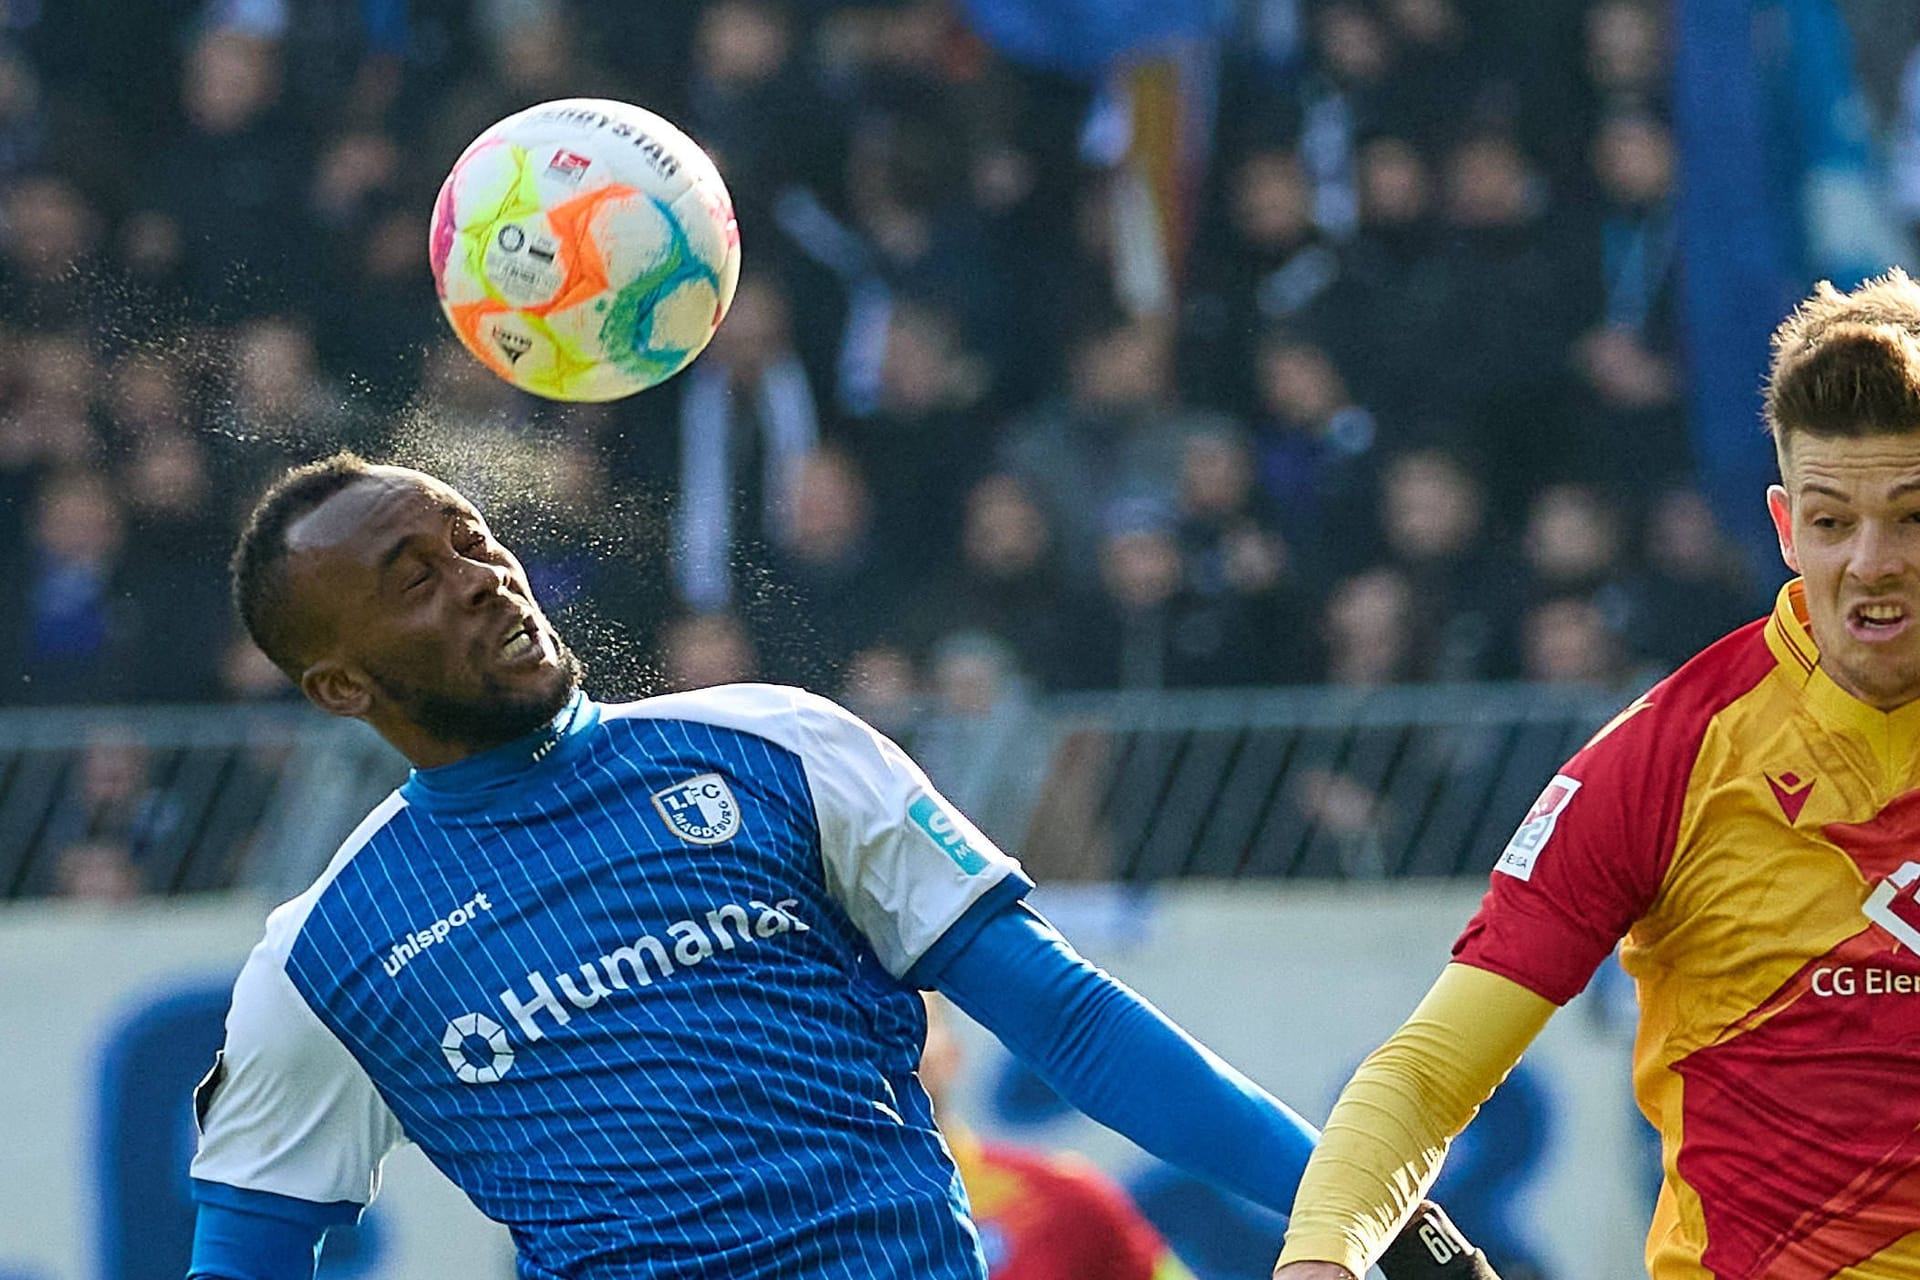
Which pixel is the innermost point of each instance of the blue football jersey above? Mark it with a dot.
(642, 985)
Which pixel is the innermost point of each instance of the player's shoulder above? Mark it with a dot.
(791, 717)
(1669, 721)
(285, 921)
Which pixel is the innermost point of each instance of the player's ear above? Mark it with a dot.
(336, 688)
(1780, 507)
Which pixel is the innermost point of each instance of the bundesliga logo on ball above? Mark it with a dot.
(584, 249)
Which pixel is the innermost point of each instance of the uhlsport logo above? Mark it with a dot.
(473, 1039)
(414, 941)
(700, 810)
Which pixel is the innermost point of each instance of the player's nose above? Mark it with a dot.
(483, 581)
(1877, 556)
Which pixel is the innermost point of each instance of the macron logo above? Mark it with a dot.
(413, 943)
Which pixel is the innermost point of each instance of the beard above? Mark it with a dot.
(493, 717)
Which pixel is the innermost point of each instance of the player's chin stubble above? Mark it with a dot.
(496, 716)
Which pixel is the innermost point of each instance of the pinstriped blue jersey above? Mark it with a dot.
(641, 985)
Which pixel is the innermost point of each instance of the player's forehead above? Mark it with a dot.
(362, 520)
(1854, 467)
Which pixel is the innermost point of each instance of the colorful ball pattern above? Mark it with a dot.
(584, 249)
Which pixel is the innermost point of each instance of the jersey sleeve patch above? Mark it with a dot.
(1518, 857)
(904, 863)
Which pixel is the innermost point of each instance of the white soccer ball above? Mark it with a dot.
(584, 249)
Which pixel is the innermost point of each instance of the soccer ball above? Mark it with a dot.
(584, 249)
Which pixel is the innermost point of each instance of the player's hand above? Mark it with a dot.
(1312, 1271)
(1430, 1247)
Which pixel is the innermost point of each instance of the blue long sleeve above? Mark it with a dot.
(1117, 1058)
(254, 1235)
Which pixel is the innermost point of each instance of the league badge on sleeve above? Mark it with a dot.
(1518, 857)
(700, 810)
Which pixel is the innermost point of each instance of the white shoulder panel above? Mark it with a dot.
(902, 861)
(293, 1113)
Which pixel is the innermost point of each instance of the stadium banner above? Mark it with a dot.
(111, 1015)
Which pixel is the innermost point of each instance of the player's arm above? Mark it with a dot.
(1117, 1058)
(292, 1133)
(1587, 861)
(941, 906)
(1390, 1129)
(1120, 1060)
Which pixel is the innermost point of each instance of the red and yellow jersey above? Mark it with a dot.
(1753, 833)
(1056, 1218)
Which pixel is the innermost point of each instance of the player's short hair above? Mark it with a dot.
(1848, 364)
(259, 564)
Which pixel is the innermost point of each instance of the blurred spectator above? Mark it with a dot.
(147, 393)
(233, 183)
(376, 319)
(1350, 93)
(248, 675)
(832, 585)
(1572, 542)
(1268, 263)
(1433, 512)
(1440, 73)
(1152, 630)
(47, 258)
(1568, 641)
(1392, 293)
(1625, 422)
(928, 438)
(96, 871)
(113, 798)
(1007, 582)
(752, 105)
(973, 673)
(1626, 55)
(1693, 588)
(1232, 551)
(175, 532)
(77, 638)
(908, 201)
(1347, 826)
(47, 426)
(1118, 435)
(748, 420)
(700, 650)
(526, 53)
(880, 687)
(1506, 323)
(1314, 452)
(1369, 630)
(1577, 588)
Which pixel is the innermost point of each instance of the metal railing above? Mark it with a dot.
(1306, 783)
(201, 798)
(1309, 783)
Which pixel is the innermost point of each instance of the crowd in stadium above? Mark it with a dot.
(1408, 407)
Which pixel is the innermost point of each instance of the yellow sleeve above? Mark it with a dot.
(1386, 1137)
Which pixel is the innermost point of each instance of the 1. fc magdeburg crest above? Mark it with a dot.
(701, 810)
